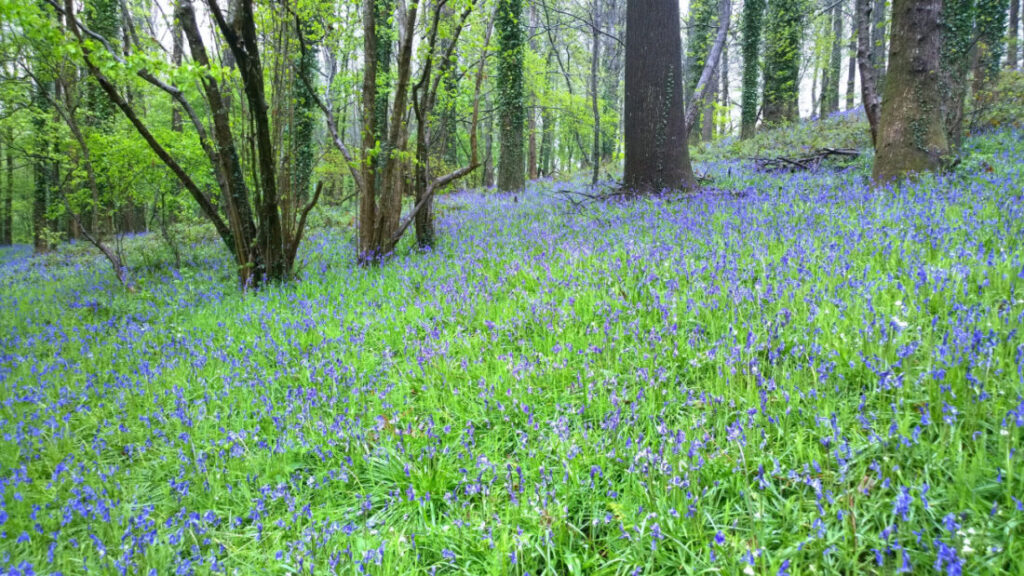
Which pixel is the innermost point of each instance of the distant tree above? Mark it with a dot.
(7, 204)
(511, 104)
(783, 41)
(753, 17)
(657, 155)
(912, 137)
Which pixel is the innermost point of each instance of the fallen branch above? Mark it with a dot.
(806, 163)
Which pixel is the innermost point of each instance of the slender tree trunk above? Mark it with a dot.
(868, 89)
(753, 17)
(595, 65)
(657, 155)
(724, 90)
(1011, 39)
(912, 137)
(851, 68)
(878, 43)
(8, 201)
(830, 87)
(708, 129)
(511, 109)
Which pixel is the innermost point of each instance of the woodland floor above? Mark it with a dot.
(788, 373)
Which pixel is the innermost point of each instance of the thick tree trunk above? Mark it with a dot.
(868, 90)
(511, 109)
(753, 17)
(657, 155)
(912, 137)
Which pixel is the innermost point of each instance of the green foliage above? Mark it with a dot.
(1001, 106)
(842, 130)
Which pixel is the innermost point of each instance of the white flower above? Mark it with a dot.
(748, 570)
(899, 323)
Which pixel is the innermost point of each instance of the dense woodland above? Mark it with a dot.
(511, 287)
(119, 117)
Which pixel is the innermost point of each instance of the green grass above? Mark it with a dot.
(769, 368)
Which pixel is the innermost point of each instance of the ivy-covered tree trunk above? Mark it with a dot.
(511, 107)
(912, 137)
(957, 42)
(657, 155)
(753, 16)
(783, 39)
(990, 23)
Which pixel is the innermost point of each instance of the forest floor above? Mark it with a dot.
(789, 373)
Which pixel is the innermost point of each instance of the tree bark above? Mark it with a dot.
(878, 43)
(851, 68)
(595, 65)
(912, 138)
(868, 89)
(657, 155)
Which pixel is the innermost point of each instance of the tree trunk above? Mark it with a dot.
(782, 61)
(991, 35)
(726, 127)
(851, 69)
(830, 85)
(868, 90)
(753, 17)
(42, 168)
(957, 42)
(878, 44)
(595, 64)
(1011, 39)
(912, 137)
(657, 155)
(708, 129)
(8, 201)
(511, 109)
